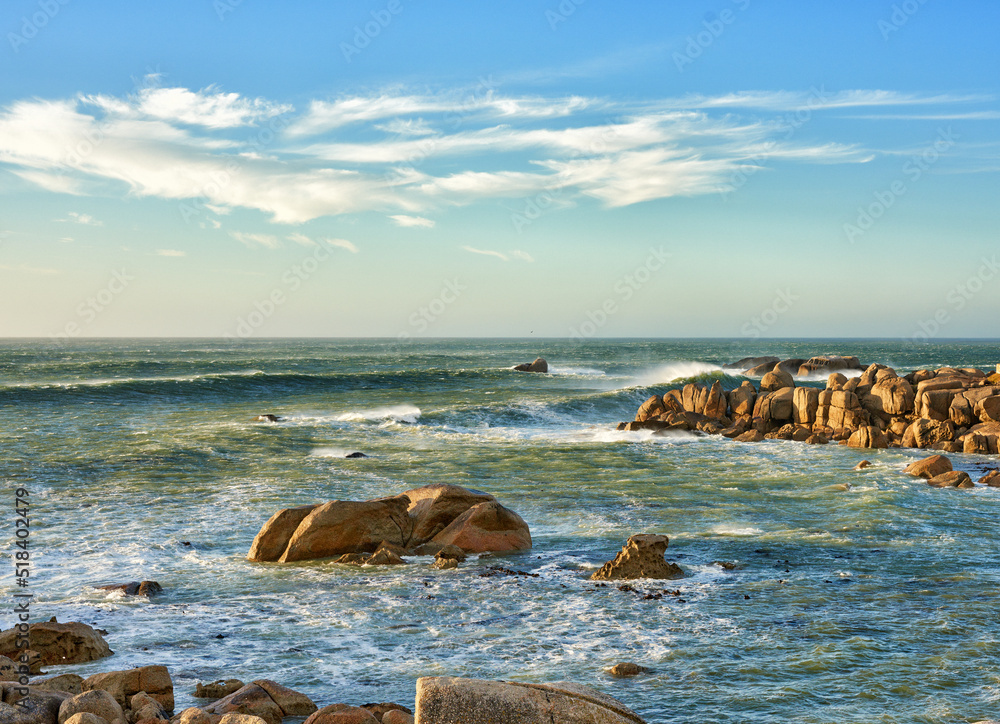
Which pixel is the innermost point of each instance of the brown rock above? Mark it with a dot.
(38, 707)
(974, 443)
(988, 409)
(992, 479)
(217, 689)
(487, 527)
(895, 396)
(817, 440)
(97, 702)
(775, 407)
(145, 707)
(640, 557)
(715, 403)
(70, 683)
(805, 402)
(342, 714)
(868, 437)
(123, 685)
(397, 717)
(836, 381)
(924, 432)
(775, 380)
(434, 507)
(58, 643)
(451, 552)
(539, 365)
(627, 669)
(951, 479)
(251, 699)
(292, 703)
(385, 555)
(272, 540)
(135, 588)
(380, 710)
(742, 399)
(346, 526)
(862, 465)
(833, 362)
(750, 436)
(650, 409)
(929, 467)
(237, 718)
(194, 715)
(85, 717)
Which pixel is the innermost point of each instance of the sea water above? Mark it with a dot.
(847, 596)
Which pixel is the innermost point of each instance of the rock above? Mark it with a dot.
(805, 401)
(761, 369)
(742, 399)
(31, 659)
(97, 702)
(123, 685)
(85, 717)
(951, 479)
(37, 707)
(58, 643)
(292, 703)
(868, 437)
(817, 440)
(776, 380)
(834, 362)
(8, 669)
(714, 403)
(976, 444)
(992, 479)
(448, 700)
(251, 699)
(835, 381)
(627, 669)
(791, 366)
(445, 564)
(862, 465)
(650, 409)
(487, 527)
(434, 507)
(143, 706)
(71, 683)
(539, 365)
(988, 409)
(237, 718)
(355, 455)
(342, 714)
(640, 557)
(273, 538)
(380, 710)
(775, 407)
(750, 436)
(194, 715)
(924, 432)
(397, 717)
(385, 555)
(347, 526)
(267, 418)
(451, 552)
(217, 689)
(749, 362)
(134, 588)
(895, 396)
(929, 467)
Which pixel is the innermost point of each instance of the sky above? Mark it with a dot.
(573, 168)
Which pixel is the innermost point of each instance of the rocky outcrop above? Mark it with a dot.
(539, 365)
(448, 700)
(58, 643)
(123, 685)
(952, 479)
(422, 520)
(266, 699)
(640, 557)
(38, 707)
(831, 363)
(627, 669)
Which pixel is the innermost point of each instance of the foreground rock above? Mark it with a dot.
(123, 685)
(448, 700)
(38, 707)
(58, 643)
(539, 365)
(266, 699)
(929, 467)
(423, 520)
(100, 703)
(640, 557)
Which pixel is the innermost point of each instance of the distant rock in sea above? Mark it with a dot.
(539, 365)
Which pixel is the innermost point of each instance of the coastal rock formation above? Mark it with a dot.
(831, 363)
(58, 643)
(423, 520)
(640, 557)
(539, 365)
(952, 479)
(450, 700)
(123, 685)
(867, 436)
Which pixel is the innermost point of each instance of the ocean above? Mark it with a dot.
(848, 596)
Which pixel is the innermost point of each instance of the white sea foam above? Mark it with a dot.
(673, 371)
(729, 529)
(330, 452)
(577, 371)
(394, 413)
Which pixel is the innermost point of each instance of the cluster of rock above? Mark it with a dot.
(938, 472)
(948, 409)
(422, 521)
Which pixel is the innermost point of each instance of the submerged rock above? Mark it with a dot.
(267, 418)
(134, 588)
(355, 455)
(640, 557)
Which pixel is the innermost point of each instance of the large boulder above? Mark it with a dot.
(895, 396)
(58, 643)
(434, 507)
(539, 365)
(274, 535)
(924, 432)
(650, 409)
(775, 407)
(449, 700)
(742, 399)
(348, 526)
(868, 436)
(640, 557)
(292, 703)
(776, 379)
(929, 467)
(252, 699)
(342, 714)
(748, 362)
(805, 402)
(988, 409)
(712, 401)
(486, 527)
(123, 685)
(38, 707)
(952, 479)
(96, 702)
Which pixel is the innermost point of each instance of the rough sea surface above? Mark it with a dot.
(854, 596)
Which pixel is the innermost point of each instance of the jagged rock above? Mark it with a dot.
(929, 467)
(447, 700)
(123, 685)
(924, 432)
(868, 436)
(58, 643)
(951, 479)
(539, 365)
(714, 404)
(217, 689)
(640, 557)
(627, 669)
(97, 702)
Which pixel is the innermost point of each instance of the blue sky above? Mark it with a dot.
(386, 168)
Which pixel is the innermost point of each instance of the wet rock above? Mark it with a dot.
(267, 418)
(539, 365)
(815, 439)
(750, 362)
(97, 702)
(434, 507)
(274, 535)
(38, 707)
(380, 710)
(355, 455)
(929, 467)
(347, 526)
(342, 714)
(123, 685)
(251, 699)
(742, 399)
(991, 478)
(627, 669)
(750, 436)
(775, 380)
(650, 409)
(831, 363)
(292, 703)
(487, 527)
(951, 479)
(862, 465)
(134, 588)
(924, 432)
(640, 557)
(145, 707)
(217, 689)
(58, 643)
(448, 700)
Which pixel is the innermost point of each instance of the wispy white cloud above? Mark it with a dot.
(170, 252)
(522, 255)
(515, 254)
(25, 269)
(268, 241)
(208, 107)
(342, 244)
(85, 219)
(404, 220)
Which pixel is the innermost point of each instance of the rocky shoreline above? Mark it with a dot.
(955, 410)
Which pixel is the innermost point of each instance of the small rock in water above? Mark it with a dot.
(640, 557)
(355, 455)
(862, 465)
(992, 479)
(135, 588)
(539, 365)
(267, 418)
(627, 669)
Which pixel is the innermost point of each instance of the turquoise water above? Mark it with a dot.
(875, 603)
